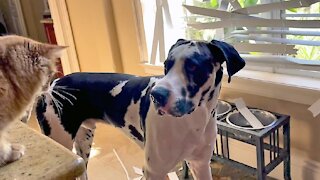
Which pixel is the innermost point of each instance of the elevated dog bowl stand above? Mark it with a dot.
(265, 140)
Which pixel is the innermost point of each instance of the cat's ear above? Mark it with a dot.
(52, 51)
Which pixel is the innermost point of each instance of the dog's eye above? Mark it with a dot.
(191, 67)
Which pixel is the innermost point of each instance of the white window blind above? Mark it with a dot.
(271, 35)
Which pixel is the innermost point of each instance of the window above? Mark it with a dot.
(281, 40)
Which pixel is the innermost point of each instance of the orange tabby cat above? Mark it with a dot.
(25, 67)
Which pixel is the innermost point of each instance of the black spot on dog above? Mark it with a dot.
(219, 76)
(144, 107)
(136, 97)
(192, 90)
(135, 133)
(203, 94)
(197, 69)
(40, 110)
(211, 95)
(213, 112)
(168, 64)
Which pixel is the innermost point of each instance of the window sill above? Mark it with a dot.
(296, 89)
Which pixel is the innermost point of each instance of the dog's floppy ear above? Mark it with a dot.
(178, 43)
(225, 52)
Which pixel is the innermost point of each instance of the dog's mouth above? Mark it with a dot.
(161, 112)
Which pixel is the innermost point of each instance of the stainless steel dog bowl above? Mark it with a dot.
(237, 120)
(223, 108)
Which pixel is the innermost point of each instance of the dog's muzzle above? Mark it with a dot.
(161, 97)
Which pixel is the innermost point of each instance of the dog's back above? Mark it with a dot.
(117, 99)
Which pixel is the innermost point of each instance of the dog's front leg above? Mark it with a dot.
(200, 169)
(160, 157)
(199, 163)
(152, 176)
(200, 166)
(154, 167)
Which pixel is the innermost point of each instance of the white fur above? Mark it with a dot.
(117, 89)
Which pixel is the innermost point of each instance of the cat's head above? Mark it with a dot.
(29, 58)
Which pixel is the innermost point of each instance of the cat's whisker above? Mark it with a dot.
(56, 104)
(67, 93)
(63, 97)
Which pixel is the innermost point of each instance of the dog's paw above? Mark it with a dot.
(17, 151)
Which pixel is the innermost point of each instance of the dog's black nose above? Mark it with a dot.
(160, 96)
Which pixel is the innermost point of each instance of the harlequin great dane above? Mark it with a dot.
(171, 117)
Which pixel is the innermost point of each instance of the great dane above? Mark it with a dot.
(172, 117)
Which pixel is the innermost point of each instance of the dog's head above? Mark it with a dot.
(191, 69)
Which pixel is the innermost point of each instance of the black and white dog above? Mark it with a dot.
(171, 117)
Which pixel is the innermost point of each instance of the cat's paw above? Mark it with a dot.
(17, 151)
(10, 152)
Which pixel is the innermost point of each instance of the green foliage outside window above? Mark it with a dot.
(307, 52)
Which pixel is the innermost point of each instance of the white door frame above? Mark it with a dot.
(64, 36)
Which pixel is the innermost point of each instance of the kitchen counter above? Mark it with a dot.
(43, 158)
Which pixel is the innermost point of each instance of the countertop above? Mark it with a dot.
(43, 158)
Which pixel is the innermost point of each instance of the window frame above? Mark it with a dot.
(304, 90)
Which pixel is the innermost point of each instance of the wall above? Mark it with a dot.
(95, 35)
(127, 35)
